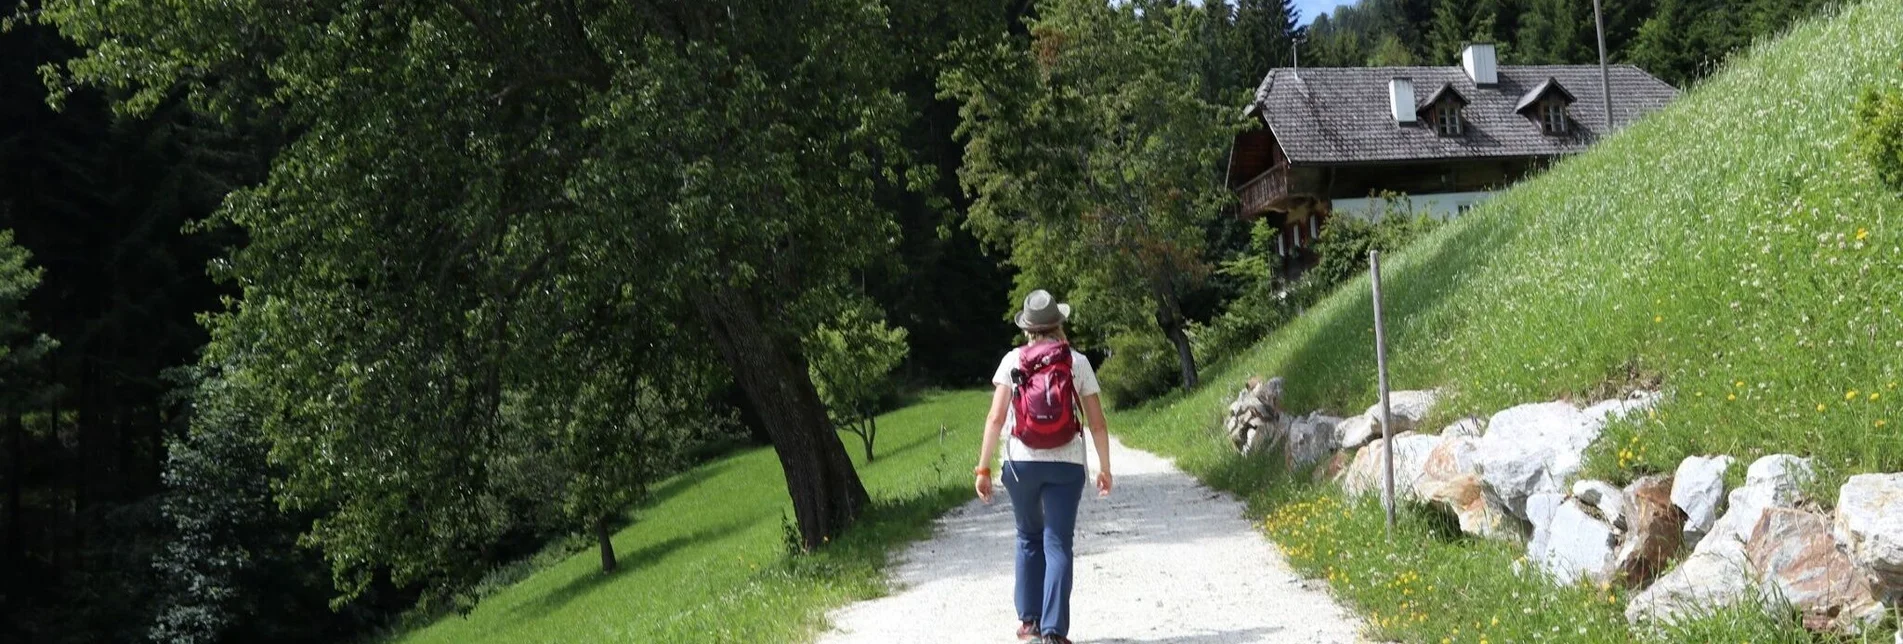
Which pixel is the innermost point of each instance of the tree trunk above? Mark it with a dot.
(872, 434)
(826, 491)
(605, 538)
(1169, 318)
(1185, 358)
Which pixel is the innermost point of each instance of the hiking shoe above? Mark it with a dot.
(1027, 631)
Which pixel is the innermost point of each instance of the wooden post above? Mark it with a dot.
(1381, 379)
(1605, 77)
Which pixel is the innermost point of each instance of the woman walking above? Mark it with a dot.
(1041, 389)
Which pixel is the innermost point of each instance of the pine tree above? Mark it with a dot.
(1265, 29)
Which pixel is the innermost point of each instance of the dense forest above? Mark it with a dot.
(314, 315)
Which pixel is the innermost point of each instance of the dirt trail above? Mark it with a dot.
(1163, 559)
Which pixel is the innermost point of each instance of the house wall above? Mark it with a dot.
(1440, 206)
(1361, 181)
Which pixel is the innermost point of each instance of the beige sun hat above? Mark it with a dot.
(1042, 312)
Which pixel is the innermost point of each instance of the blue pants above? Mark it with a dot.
(1044, 498)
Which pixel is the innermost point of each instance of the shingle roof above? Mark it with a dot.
(1341, 114)
(1548, 85)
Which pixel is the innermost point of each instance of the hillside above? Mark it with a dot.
(1728, 250)
(705, 560)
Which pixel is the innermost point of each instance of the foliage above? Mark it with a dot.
(1259, 308)
(851, 359)
(1347, 238)
(1878, 133)
(706, 560)
(1752, 287)
(1092, 160)
(1141, 366)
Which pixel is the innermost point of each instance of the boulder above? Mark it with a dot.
(1408, 409)
(1799, 565)
(1718, 574)
(1651, 530)
(1256, 422)
(1578, 546)
(1698, 487)
(1450, 458)
(1410, 459)
(1611, 410)
(1356, 432)
(1870, 524)
(1308, 443)
(1468, 427)
(1540, 509)
(1336, 467)
(1467, 498)
(1605, 501)
(1534, 448)
(1708, 579)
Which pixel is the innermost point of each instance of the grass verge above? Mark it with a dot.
(705, 560)
(1729, 249)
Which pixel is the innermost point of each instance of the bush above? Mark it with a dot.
(1878, 132)
(1142, 365)
(1346, 240)
(1256, 310)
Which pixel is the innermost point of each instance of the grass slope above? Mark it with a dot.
(1728, 249)
(706, 560)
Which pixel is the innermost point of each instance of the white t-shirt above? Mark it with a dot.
(1082, 376)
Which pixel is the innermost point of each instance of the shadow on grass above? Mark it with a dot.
(625, 563)
(1335, 366)
(689, 480)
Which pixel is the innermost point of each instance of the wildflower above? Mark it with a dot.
(1657, 319)
(1731, 396)
(1862, 233)
(1874, 396)
(1882, 422)
(1739, 384)
(1850, 395)
(1496, 620)
(1820, 407)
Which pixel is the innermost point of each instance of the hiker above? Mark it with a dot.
(1037, 408)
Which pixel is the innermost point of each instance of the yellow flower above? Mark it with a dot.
(1882, 422)
(1731, 396)
(1657, 319)
(1820, 407)
(1874, 396)
(1850, 395)
(1861, 233)
(1496, 620)
(1739, 384)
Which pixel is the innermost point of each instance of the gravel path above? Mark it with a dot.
(1163, 559)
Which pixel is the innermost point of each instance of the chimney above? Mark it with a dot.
(1401, 98)
(1478, 59)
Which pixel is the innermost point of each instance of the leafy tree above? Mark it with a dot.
(1091, 158)
(479, 188)
(1391, 52)
(851, 358)
(1267, 29)
(1556, 32)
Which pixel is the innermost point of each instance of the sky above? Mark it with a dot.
(1311, 8)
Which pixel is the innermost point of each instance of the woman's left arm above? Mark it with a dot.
(1100, 437)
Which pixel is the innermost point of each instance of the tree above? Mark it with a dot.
(851, 359)
(1391, 52)
(1266, 29)
(1556, 32)
(1091, 160)
(468, 177)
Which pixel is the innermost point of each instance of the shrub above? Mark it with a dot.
(1142, 365)
(1878, 132)
(1256, 310)
(1345, 241)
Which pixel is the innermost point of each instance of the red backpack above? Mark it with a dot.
(1044, 399)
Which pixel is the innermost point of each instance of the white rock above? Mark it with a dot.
(1540, 509)
(1355, 432)
(1578, 546)
(1408, 408)
(1870, 525)
(1800, 565)
(1710, 578)
(1604, 497)
(1468, 427)
(1410, 460)
(1698, 487)
(1611, 410)
(1784, 472)
(1534, 448)
(1324, 420)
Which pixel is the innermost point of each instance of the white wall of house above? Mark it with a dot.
(1440, 206)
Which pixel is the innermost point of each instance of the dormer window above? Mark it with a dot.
(1546, 105)
(1442, 110)
(1447, 120)
(1553, 117)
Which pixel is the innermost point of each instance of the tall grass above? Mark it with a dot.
(706, 560)
(1729, 250)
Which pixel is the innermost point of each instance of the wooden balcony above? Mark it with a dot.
(1265, 191)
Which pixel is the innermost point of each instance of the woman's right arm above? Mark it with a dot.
(994, 425)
